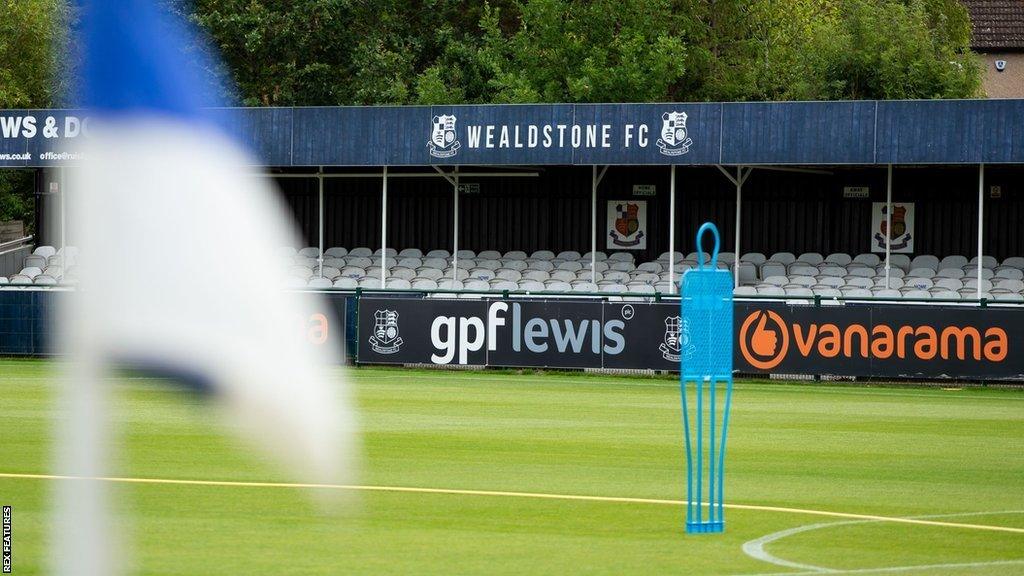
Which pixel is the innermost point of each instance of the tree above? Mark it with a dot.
(900, 50)
(563, 51)
(280, 52)
(30, 77)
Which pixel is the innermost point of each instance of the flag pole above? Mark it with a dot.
(672, 225)
(593, 225)
(455, 243)
(981, 220)
(888, 223)
(320, 219)
(384, 228)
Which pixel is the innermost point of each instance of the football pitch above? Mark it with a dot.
(503, 473)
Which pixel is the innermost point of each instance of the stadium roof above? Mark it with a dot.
(996, 24)
(743, 133)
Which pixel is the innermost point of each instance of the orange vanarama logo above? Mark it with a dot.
(764, 345)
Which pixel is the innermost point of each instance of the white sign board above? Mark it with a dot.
(627, 225)
(902, 234)
(856, 191)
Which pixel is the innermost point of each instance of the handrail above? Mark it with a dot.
(657, 296)
(16, 243)
(816, 300)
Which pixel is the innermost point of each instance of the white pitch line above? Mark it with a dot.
(756, 548)
(499, 493)
(892, 569)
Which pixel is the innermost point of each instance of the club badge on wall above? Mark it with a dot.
(901, 236)
(627, 224)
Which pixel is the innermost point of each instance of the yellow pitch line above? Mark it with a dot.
(498, 493)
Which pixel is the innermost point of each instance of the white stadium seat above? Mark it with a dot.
(917, 283)
(772, 268)
(839, 258)
(925, 261)
(869, 259)
(972, 284)
(755, 258)
(887, 293)
(901, 261)
(1008, 272)
(783, 257)
(35, 261)
(44, 251)
(857, 293)
(953, 262)
(814, 258)
(1014, 262)
(481, 274)
(531, 285)
(986, 261)
(429, 273)
(563, 275)
(318, 282)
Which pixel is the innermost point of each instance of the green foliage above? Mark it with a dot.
(312, 52)
(329, 52)
(31, 33)
(900, 50)
(282, 52)
(16, 196)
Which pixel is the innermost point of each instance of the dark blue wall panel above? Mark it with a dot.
(796, 133)
(25, 316)
(266, 131)
(951, 132)
(360, 136)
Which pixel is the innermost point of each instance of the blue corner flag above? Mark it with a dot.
(706, 303)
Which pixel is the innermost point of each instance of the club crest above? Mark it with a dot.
(676, 340)
(385, 339)
(627, 225)
(899, 236)
(674, 140)
(443, 142)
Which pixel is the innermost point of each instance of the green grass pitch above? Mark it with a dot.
(894, 452)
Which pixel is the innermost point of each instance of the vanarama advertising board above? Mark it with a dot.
(880, 340)
(898, 340)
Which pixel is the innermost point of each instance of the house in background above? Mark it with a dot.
(998, 36)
